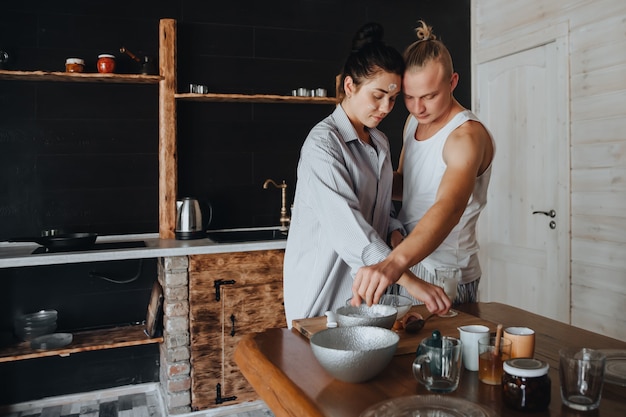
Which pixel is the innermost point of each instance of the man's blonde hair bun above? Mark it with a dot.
(424, 32)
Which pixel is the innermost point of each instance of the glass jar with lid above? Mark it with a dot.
(74, 65)
(106, 63)
(526, 384)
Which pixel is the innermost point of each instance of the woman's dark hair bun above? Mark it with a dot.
(368, 33)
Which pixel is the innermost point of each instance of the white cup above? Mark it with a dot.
(470, 335)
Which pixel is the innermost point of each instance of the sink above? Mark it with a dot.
(246, 235)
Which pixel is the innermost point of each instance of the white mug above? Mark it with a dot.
(470, 335)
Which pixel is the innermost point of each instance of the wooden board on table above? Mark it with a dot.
(448, 326)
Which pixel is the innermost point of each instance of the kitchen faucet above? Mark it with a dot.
(284, 218)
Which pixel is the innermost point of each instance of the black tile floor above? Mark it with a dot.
(132, 401)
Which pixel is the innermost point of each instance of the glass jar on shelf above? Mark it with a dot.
(74, 65)
(106, 63)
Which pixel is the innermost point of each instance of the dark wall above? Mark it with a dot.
(84, 156)
(78, 156)
(227, 151)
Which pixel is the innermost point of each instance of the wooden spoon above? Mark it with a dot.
(496, 349)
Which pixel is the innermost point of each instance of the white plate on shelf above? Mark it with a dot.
(615, 368)
(51, 341)
(427, 406)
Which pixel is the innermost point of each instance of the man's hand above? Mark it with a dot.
(372, 281)
(433, 296)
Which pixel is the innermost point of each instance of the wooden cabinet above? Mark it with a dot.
(230, 295)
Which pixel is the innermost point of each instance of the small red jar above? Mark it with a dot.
(106, 63)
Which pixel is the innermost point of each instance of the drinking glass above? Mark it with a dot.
(448, 278)
(491, 356)
(581, 373)
(438, 363)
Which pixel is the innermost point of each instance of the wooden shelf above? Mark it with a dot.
(168, 98)
(255, 98)
(83, 342)
(79, 77)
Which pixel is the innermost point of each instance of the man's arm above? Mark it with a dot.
(463, 155)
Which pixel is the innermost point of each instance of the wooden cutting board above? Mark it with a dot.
(448, 326)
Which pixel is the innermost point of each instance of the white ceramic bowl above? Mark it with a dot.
(39, 317)
(378, 315)
(402, 303)
(30, 326)
(354, 354)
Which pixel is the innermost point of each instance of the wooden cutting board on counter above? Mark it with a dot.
(448, 326)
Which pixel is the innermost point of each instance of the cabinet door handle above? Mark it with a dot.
(232, 328)
(218, 284)
(218, 395)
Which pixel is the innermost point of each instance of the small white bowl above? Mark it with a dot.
(378, 315)
(30, 326)
(402, 303)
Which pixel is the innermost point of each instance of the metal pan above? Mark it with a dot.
(61, 241)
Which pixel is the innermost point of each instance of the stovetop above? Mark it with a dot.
(95, 246)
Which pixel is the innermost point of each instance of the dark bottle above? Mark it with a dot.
(5, 59)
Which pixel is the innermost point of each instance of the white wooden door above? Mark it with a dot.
(522, 99)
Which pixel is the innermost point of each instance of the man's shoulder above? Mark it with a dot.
(472, 138)
(471, 127)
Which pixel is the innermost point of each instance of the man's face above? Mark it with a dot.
(428, 92)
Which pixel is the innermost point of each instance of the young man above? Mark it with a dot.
(442, 178)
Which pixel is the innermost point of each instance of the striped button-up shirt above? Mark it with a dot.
(341, 217)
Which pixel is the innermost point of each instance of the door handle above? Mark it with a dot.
(232, 328)
(550, 213)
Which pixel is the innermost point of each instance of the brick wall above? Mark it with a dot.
(175, 370)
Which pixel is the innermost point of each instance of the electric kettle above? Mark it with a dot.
(189, 222)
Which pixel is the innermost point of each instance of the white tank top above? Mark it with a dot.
(423, 169)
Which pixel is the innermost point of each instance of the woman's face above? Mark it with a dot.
(369, 103)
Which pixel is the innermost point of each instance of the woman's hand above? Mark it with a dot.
(371, 282)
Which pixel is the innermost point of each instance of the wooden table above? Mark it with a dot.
(280, 365)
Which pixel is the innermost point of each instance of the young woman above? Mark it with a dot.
(342, 206)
